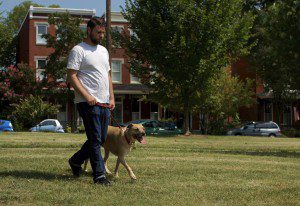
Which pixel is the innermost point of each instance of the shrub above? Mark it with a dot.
(32, 110)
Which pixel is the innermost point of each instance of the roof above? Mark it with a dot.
(46, 10)
(131, 89)
(116, 17)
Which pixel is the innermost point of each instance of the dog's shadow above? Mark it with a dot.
(40, 175)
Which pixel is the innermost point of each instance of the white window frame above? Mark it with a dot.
(36, 59)
(37, 24)
(118, 26)
(132, 33)
(132, 81)
(112, 71)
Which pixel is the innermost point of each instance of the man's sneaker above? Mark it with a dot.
(102, 180)
(76, 169)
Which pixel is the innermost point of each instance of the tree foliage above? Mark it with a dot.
(17, 82)
(8, 45)
(276, 58)
(223, 99)
(68, 34)
(277, 55)
(32, 110)
(185, 43)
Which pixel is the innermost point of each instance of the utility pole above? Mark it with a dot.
(108, 26)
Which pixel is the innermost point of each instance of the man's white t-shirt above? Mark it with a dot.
(92, 65)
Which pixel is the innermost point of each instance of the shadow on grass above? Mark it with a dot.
(292, 154)
(37, 175)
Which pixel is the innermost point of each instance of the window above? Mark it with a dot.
(287, 116)
(40, 68)
(268, 111)
(134, 79)
(272, 126)
(132, 33)
(250, 126)
(41, 29)
(118, 29)
(46, 123)
(135, 107)
(116, 70)
(262, 125)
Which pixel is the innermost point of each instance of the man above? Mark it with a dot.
(89, 74)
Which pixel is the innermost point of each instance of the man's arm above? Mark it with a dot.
(111, 92)
(76, 84)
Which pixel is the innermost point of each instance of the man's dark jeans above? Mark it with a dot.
(95, 120)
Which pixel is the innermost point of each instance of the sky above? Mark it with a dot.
(98, 5)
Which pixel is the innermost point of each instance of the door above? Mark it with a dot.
(248, 130)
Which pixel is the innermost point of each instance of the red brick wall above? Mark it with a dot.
(38, 50)
(23, 47)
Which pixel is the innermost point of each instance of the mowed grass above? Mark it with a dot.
(195, 170)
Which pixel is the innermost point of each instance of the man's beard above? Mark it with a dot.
(94, 40)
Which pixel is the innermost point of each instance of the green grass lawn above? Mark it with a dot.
(196, 170)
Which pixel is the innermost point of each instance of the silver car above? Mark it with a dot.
(268, 129)
(48, 125)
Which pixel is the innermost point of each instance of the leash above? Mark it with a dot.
(111, 116)
(113, 119)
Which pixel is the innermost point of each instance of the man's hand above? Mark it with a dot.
(91, 100)
(111, 104)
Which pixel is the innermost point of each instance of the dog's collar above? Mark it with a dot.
(126, 138)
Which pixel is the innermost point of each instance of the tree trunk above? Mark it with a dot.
(186, 119)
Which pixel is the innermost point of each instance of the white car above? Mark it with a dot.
(48, 125)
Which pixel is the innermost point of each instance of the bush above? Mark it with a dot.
(291, 132)
(31, 111)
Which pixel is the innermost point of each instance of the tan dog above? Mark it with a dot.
(119, 141)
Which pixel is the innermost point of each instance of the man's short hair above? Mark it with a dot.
(96, 21)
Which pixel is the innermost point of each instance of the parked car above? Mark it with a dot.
(269, 129)
(6, 126)
(155, 127)
(48, 125)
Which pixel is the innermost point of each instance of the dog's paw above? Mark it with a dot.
(133, 177)
(110, 175)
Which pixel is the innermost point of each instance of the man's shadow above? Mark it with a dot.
(40, 175)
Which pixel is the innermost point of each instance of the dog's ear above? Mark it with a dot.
(130, 126)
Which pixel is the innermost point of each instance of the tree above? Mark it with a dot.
(16, 83)
(222, 100)
(276, 57)
(180, 45)
(8, 45)
(68, 34)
